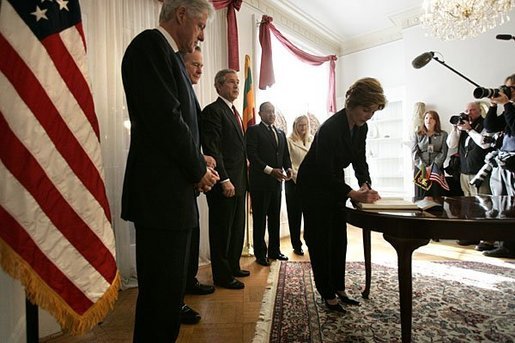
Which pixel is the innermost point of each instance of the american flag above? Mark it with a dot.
(436, 175)
(55, 223)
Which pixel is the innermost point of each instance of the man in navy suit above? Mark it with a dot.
(222, 138)
(270, 165)
(165, 168)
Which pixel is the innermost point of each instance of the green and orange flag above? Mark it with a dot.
(249, 116)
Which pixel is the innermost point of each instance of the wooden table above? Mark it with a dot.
(467, 218)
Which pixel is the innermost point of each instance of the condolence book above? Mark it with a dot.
(399, 204)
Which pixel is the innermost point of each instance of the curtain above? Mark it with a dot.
(267, 77)
(232, 30)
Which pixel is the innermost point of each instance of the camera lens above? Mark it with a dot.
(454, 120)
(481, 92)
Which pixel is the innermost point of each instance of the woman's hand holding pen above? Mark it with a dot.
(364, 194)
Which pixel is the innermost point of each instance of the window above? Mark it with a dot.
(299, 87)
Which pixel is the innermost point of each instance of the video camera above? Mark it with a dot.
(481, 92)
(459, 119)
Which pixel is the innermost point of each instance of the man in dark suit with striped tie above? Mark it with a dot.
(270, 164)
(222, 138)
(165, 168)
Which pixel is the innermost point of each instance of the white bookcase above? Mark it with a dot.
(385, 156)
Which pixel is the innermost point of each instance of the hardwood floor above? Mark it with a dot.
(230, 316)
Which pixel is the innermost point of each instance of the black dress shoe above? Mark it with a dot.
(263, 261)
(233, 284)
(200, 289)
(299, 252)
(346, 300)
(500, 252)
(335, 307)
(484, 246)
(189, 315)
(279, 256)
(241, 273)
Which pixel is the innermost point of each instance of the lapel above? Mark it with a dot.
(230, 116)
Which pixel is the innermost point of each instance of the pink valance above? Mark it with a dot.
(232, 29)
(267, 78)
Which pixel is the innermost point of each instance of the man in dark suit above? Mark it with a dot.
(193, 64)
(270, 164)
(165, 168)
(222, 138)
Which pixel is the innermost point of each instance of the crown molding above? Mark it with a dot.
(300, 23)
(401, 21)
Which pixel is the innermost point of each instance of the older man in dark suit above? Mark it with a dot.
(269, 165)
(165, 168)
(222, 138)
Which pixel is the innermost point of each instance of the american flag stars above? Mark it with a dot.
(41, 13)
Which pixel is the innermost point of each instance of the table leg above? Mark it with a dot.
(368, 264)
(405, 248)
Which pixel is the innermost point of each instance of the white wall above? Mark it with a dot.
(485, 60)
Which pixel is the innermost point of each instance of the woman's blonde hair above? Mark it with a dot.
(365, 92)
(438, 127)
(295, 135)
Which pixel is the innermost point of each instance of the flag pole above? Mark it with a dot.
(248, 119)
(248, 250)
(31, 321)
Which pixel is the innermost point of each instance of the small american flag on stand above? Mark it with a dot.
(437, 175)
(55, 222)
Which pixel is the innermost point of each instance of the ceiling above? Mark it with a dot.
(349, 22)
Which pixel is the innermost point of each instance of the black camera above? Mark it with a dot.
(481, 92)
(459, 119)
(494, 139)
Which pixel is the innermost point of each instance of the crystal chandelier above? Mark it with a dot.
(460, 19)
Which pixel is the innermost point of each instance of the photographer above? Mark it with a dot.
(502, 180)
(467, 136)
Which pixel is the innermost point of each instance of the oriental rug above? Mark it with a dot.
(453, 301)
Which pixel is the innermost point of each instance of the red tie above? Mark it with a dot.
(237, 116)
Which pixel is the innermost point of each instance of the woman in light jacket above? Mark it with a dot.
(299, 143)
(429, 146)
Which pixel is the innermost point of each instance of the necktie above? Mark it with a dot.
(274, 133)
(237, 117)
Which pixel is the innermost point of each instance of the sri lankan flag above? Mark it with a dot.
(249, 116)
(422, 178)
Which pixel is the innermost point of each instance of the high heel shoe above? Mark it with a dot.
(346, 300)
(335, 307)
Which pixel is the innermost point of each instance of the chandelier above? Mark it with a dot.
(460, 19)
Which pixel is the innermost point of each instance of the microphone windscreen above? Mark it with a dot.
(422, 60)
(504, 37)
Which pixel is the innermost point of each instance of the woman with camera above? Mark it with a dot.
(429, 147)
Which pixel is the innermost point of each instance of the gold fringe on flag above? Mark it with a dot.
(39, 293)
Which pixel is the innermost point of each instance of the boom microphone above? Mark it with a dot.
(422, 60)
(505, 37)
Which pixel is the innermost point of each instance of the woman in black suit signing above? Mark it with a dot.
(339, 142)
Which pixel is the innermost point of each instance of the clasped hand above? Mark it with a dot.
(208, 180)
(280, 176)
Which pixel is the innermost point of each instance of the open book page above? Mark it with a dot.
(389, 204)
(427, 205)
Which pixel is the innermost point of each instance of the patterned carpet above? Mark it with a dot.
(452, 302)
